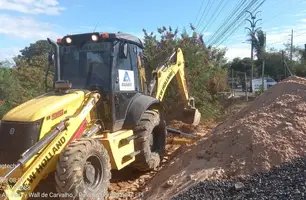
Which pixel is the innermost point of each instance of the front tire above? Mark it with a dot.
(151, 141)
(83, 170)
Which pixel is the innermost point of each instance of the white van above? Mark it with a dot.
(257, 83)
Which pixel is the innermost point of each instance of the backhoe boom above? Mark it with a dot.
(175, 66)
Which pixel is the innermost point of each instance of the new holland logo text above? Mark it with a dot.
(35, 173)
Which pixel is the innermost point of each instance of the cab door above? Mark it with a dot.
(126, 84)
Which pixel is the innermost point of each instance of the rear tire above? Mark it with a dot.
(151, 141)
(83, 170)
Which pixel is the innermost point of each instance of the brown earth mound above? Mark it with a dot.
(270, 131)
(187, 128)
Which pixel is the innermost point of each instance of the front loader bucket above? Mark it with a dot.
(191, 116)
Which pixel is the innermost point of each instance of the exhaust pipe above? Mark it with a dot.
(56, 56)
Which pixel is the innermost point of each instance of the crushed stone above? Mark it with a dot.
(265, 134)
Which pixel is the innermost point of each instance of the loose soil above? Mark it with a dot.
(132, 184)
(268, 132)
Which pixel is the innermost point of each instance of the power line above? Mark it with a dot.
(239, 24)
(206, 13)
(239, 4)
(298, 35)
(216, 16)
(199, 11)
(203, 14)
(285, 11)
(228, 27)
(276, 42)
(236, 28)
(209, 21)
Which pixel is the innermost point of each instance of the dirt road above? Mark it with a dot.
(131, 184)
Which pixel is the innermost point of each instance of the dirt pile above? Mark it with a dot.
(183, 127)
(268, 132)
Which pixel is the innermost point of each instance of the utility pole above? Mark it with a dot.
(263, 65)
(304, 60)
(252, 31)
(283, 63)
(246, 87)
(263, 75)
(232, 80)
(291, 48)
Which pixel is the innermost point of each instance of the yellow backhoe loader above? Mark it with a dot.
(101, 115)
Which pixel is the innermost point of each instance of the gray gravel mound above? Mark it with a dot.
(288, 181)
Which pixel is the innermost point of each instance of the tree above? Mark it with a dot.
(273, 65)
(300, 70)
(40, 47)
(205, 66)
(297, 52)
(9, 90)
(26, 79)
(259, 43)
(241, 65)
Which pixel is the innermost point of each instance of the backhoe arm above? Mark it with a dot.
(162, 76)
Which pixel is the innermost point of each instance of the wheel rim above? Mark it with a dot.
(92, 172)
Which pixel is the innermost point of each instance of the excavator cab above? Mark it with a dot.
(108, 63)
(113, 65)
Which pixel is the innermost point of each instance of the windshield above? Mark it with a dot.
(86, 66)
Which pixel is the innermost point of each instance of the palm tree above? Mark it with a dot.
(259, 43)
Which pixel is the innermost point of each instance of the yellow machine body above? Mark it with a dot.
(78, 106)
(71, 115)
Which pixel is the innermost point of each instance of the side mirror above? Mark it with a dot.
(123, 50)
(50, 57)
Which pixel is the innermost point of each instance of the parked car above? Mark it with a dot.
(270, 82)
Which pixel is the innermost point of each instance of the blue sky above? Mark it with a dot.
(25, 21)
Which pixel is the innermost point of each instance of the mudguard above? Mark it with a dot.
(137, 107)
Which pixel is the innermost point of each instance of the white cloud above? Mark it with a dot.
(303, 20)
(48, 7)
(237, 50)
(25, 27)
(8, 53)
(284, 35)
(302, 13)
(205, 34)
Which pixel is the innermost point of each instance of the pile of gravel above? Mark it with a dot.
(288, 181)
(268, 132)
